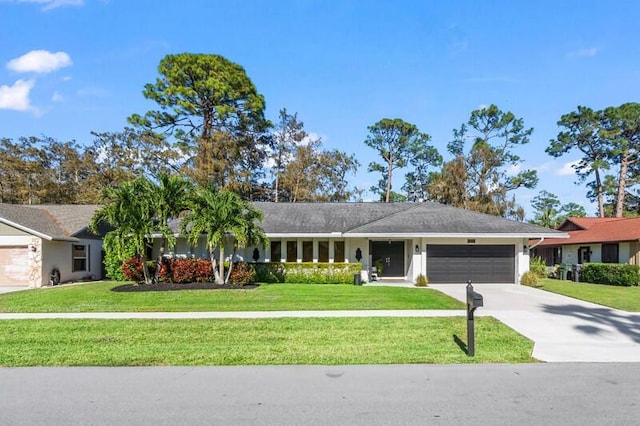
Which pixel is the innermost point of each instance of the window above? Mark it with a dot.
(276, 251)
(307, 251)
(338, 251)
(80, 256)
(610, 253)
(292, 251)
(323, 251)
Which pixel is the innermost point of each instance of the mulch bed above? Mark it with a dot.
(176, 287)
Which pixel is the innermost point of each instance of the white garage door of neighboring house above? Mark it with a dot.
(478, 263)
(14, 266)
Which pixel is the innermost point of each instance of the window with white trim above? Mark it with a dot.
(80, 256)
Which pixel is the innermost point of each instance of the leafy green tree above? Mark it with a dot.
(220, 215)
(549, 212)
(494, 134)
(621, 126)
(449, 186)
(171, 198)
(546, 206)
(583, 132)
(422, 159)
(288, 134)
(571, 210)
(215, 113)
(394, 140)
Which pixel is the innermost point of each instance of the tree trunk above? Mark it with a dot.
(226, 280)
(389, 175)
(214, 267)
(220, 277)
(276, 188)
(145, 270)
(622, 184)
(599, 193)
(156, 278)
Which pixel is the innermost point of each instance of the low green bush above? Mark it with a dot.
(530, 279)
(538, 266)
(610, 274)
(306, 273)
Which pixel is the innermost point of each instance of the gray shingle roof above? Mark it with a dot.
(54, 222)
(355, 219)
(382, 218)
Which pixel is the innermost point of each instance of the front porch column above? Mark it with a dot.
(347, 250)
(332, 251)
(283, 251)
(299, 251)
(315, 250)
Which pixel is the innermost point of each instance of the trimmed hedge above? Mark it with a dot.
(610, 274)
(306, 273)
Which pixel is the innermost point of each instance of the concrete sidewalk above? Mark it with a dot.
(223, 315)
(563, 329)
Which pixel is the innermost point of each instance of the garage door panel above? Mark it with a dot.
(14, 266)
(479, 263)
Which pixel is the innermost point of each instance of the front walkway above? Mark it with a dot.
(563, 329)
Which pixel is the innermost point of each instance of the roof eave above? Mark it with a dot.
(27, 230)
(455, 235)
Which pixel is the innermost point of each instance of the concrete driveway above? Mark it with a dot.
(10, 288)
(563, 329)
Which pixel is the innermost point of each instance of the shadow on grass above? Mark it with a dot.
(461, 344)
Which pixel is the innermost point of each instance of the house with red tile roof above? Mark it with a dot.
(592, 239)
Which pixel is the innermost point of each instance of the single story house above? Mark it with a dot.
(593, 239)
(402, 240)
(36, 240)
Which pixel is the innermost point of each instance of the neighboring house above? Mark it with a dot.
(593, 239)
(447, 244)
(35, 240)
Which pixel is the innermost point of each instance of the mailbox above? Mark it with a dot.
(474, 301)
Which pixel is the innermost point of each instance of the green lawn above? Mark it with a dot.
(99, 297)
(325, 341)
(624, 298)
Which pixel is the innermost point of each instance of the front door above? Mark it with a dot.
(388, 256)
(584, 255)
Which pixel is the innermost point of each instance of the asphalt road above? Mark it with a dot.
(531, 394)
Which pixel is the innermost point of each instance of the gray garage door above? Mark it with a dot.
(478, 263)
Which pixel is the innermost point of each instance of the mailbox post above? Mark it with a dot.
(474, 301)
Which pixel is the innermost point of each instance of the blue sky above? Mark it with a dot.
(68, 67)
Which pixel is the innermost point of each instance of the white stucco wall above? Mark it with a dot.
(415, 262)
(58, 254)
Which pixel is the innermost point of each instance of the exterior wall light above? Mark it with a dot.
(358, 254)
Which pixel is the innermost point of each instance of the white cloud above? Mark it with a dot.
(587, 52)
(52, 4)
(16, 97)
(57, 97)
(567, 169)
(40, 61)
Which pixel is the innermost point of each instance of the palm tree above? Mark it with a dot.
(130, 210)
(171, 195)
(221, 215)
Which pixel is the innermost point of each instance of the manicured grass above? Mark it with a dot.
(325, 341)
(624, 298)
(99, 297)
